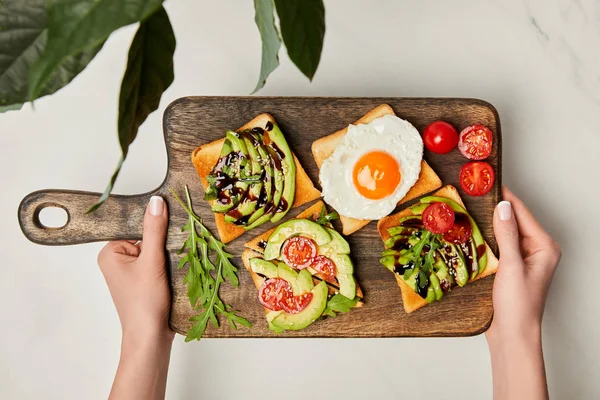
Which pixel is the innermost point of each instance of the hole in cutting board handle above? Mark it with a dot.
(51, 216)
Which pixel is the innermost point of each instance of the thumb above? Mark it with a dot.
(506, 231)
(155, 229)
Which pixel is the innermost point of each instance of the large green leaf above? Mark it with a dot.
(23, 33)
(75, 26)
(149, 73)
(265, 20)
(302, 24)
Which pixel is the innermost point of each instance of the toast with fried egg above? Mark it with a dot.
(324, 147)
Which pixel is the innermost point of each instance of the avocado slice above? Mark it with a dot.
(476, 234)
(263, 267)
(455, 259)
(237, 169)
(250, 198)
(270, 207)
(276, 140)
(295, 227)
(344, 271)
(434, 281)
(305, 281)
(337, 245)
(266, 194)
(285, 321)
(285, 272)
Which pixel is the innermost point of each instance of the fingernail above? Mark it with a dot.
(156, 206)
(504, 210)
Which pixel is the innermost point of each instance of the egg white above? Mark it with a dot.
(391, 134)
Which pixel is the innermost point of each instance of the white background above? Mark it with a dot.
(537, 61)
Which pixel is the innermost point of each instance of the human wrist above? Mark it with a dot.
(502, 339)
(152, 340)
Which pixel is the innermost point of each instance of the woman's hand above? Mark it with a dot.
(137, 280)
(528, 259)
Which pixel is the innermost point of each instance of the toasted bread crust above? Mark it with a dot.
(411, 300)
(206, 156)
(309, 213)
(323, 148)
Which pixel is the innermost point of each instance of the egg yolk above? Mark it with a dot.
(376, 175)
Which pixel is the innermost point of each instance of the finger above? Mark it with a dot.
(132, 241)
(528, 226)
(117, 251)
(506, 231)
(155, 228)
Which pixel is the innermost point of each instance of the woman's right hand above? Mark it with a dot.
(528, 259)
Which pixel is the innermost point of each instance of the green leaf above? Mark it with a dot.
(23, 37)
(82, 25)
(340, 304)
(265, 21)
(302, 24)
(326, 218)
(149, 73)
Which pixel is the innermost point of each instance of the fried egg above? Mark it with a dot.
(372, 168)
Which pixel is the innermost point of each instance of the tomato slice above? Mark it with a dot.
(460, 231)
(440, 137)
(477, 178)
(298, 252)
(475, 142)
(438, 217)
(295, 304)
(326, 267)
(274, 292)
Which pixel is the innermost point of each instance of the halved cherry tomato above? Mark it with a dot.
(460, 231)
(298, 252)
(326, 267)
(440, 137)
(295, 304)
(274, 292)
(438, 217)
(476, 178)
(475, 142)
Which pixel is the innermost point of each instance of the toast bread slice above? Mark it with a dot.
(322, 148)
(206, 156)
(411, 300)
(309, 213)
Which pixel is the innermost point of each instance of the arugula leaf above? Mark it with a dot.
(265, 21)
(76, 27)
(149, 73)
(205, 276)
(325, 219)
(340, 304)
(302, 24)
(23, 37)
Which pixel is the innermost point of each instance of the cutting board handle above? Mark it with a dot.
(120, 217)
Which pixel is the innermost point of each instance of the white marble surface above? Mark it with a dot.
(537, 61)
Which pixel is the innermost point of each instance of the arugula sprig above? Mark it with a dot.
(205, 275)
(326, 218)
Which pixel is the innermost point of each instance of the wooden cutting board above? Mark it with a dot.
(191, 121)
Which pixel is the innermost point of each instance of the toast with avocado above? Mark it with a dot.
(302, 271)
(338, 248)
(251, 177)
(428, 264)
(324, 147)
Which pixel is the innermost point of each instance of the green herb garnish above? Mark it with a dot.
(326, 218)
(204, 276)
(340, 304)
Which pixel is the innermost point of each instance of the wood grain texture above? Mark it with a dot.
(191, 121)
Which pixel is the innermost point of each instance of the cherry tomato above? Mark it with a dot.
(295, 304)
(438, 217)
(274, 292)
(440, 137)
(476, 178)
(326, 267)
(460, 231)
(475, 142)
(298, 252)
